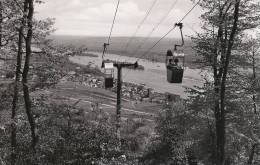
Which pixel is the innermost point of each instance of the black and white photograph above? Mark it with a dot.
(129, 82)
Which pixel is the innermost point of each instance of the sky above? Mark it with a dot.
(94, 17)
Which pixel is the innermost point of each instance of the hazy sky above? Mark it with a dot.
(94, 17)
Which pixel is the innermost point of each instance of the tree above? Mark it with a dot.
(171, 143)
(19, 27)
(28, 49)
(251, 50)
(254, 54)
(17, 82)
(242, 122)
(224, 24)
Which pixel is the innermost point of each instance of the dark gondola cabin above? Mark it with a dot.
(108, 74)
(174, 69)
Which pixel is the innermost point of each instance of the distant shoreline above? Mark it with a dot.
(105, 37)
(85, 54)
(118, 44)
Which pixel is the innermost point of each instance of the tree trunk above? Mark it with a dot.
(15, 96)
(220, 137)
(251, 156)
(254, 80)
(220, 85)
(26, 92)
(252, 151)
(16, 87)
(1, 23)
(220, 129)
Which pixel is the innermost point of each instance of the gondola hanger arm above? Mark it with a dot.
(104, 49)
(180, 25)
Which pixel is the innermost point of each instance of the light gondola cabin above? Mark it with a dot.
(109, 75)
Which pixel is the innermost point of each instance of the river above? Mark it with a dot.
(154, 75)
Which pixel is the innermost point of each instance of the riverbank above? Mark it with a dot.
(135, 92)
(153, 76)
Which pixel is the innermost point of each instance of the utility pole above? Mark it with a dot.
(119, 66)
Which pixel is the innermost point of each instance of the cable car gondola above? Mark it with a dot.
(108, 69)
(174, 69)
(108, 74)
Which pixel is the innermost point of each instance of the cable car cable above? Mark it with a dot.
(140, 25)
(144, 54)
(171, 29)
(113, 23)
(111, 30)
(156, 26)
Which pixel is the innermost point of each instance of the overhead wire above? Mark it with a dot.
(156, 26)
(111, 29)
(140, 25)
(166, 34)
(145, 53)
(113, 23)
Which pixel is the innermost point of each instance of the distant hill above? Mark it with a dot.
(118, 45)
